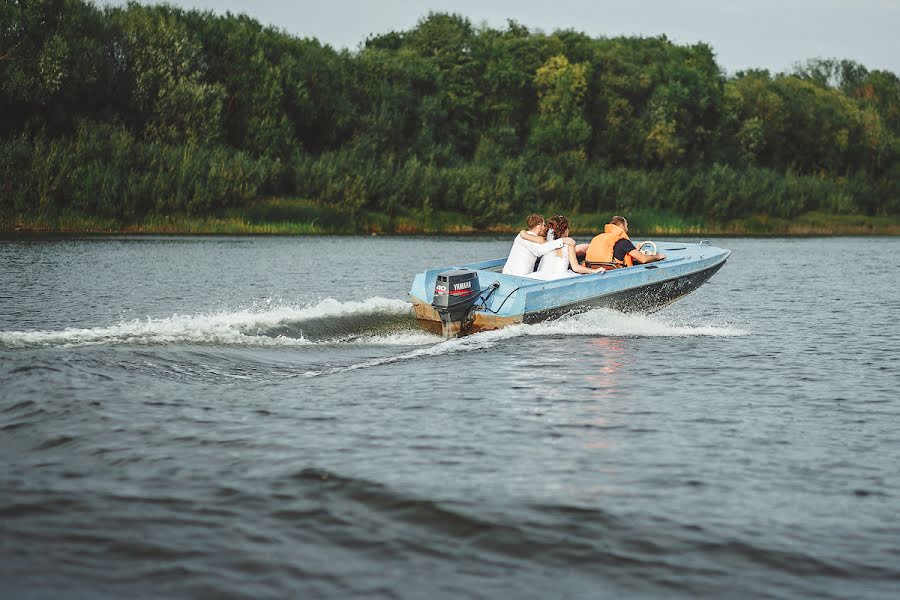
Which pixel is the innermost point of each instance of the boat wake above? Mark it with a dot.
(606, 322)
(601, 322)
(375, 321)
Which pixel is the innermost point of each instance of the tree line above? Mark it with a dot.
(152, 110)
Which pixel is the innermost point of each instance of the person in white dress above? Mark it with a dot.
(561, 262)
(529, 246)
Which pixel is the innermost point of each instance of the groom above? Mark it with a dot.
(527, 247)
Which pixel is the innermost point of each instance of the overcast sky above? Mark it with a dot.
(770, 34)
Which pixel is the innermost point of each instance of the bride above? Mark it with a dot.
(556, 264)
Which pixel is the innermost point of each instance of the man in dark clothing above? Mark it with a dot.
(613, 246)
(625, 247)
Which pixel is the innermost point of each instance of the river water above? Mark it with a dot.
(259, 417)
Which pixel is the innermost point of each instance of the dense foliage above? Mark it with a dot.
(135, 111)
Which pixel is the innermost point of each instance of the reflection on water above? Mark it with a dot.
(604, 365)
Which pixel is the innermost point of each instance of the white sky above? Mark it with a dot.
(770, 34)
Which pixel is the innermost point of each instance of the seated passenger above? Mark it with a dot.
(614, 248)
(525, 251)
(562, 262)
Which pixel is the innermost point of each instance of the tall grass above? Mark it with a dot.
(104, 174)
(307, 217)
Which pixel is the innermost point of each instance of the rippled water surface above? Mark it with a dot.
(260, 417)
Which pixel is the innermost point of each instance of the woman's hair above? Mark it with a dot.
(558, 225)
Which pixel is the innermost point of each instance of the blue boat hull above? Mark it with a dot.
(526, 300)
(643, 299)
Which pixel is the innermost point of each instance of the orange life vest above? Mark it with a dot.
(602, 246)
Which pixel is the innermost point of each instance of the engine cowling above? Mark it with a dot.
(455, 293)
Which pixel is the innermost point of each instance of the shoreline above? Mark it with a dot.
(295, 217)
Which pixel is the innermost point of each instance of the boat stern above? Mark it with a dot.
(452, 302)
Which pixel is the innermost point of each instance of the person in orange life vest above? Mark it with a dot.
(614, 246)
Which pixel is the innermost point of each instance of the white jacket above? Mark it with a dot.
(523, 254)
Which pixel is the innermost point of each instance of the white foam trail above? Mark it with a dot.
(228, 328)
(610, 323)
(401, 338)
(482, 340)
(244, 328)
(598, 322)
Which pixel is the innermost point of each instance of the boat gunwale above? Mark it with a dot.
(525, 282)
(530, 282)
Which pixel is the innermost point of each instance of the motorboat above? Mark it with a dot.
(459, 300)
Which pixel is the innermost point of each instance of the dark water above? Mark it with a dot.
(258, 417)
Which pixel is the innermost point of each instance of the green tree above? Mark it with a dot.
(54, 64)
(560, 126)
(170, 98)
(449, 114)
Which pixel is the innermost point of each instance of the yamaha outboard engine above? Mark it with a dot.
(455, 293)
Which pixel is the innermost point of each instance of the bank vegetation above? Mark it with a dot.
(152, 118)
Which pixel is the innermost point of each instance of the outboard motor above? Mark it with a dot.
(455, 293)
